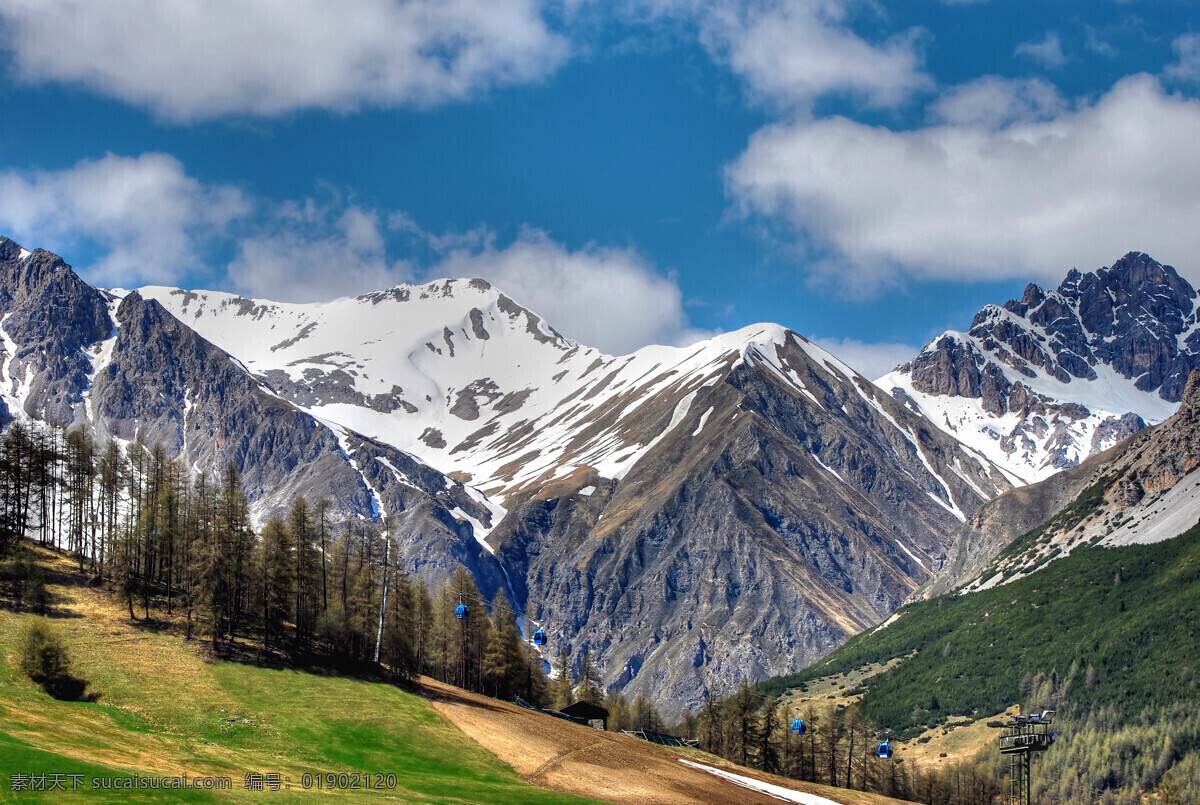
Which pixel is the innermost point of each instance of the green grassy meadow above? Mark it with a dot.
(160, 709)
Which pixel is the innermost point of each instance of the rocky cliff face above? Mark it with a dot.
(696, 516)
(1043, 382)
(48, 319)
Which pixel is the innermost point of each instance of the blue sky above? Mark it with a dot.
(867, 173)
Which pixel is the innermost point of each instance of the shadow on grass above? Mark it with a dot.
(69, 688)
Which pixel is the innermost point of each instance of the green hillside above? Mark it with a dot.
(160, 709)
(1105, 627)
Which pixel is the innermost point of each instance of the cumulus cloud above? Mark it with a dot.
(871, 360)
(205, 58)
(793, 52)
(982, 197)
(604, 297)
(1046, 51)
(149, 219)
(788, 52)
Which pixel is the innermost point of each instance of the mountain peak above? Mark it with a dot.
(1079, 366)
(9, 249)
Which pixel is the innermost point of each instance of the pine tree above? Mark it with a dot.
(399, 648)
(423, 627)
(504, 662)
(769, 737)
(712, 732)
(275, 565)
(644, 715)
(619, 717)
(742, 733)
(589, 680)
(304, 570)
(562, 690)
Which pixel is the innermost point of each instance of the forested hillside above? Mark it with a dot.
(1105, 636)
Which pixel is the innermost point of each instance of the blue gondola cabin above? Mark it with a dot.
(462, 612)
(539, 638)
(885, 750)
(798, 727)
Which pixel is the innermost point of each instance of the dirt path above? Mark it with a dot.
(557, 754)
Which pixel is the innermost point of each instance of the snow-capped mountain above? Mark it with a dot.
(691, 516)
(1043, 382)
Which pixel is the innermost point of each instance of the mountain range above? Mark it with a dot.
(689, 516)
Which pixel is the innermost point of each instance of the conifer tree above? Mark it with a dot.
(504, 661)
(742, 732)
(304, 571)
(619, 717)
(768, 737)
(562, 690)
(275, 565)
(589, 680)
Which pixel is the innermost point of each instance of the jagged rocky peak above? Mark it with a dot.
(1044, 381)
(1129, 317)
(50, 318)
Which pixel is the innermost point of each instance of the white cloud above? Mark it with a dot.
(1187, 47)
(604, 297)
(151, 221)
(315, 251)
(982, 199)
(870, 360)
(996, 102)
(195, 59)
(1047, 51)
(793, 52)
(789, 52)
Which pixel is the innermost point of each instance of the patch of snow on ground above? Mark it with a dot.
(895, 617)
(770, 789)
(904, 548)
(828, 468)
(703, 419)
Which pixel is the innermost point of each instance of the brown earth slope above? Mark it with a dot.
(556, 754)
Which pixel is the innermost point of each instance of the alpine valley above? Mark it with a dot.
(691, 516)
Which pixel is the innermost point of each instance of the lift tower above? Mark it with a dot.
(1023, 736)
